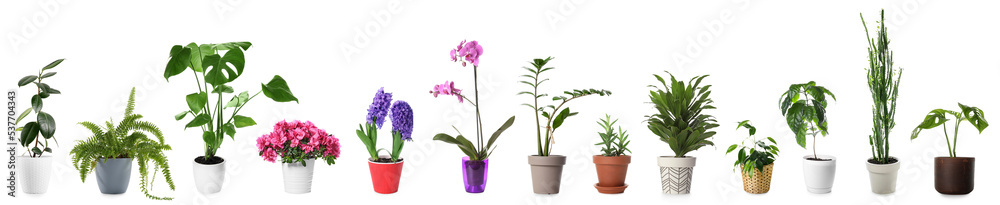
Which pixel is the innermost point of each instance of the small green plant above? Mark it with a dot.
(755, 156)
(804, 108)
(129, 139)
(615, 143)
(936, 117)
(679, 120)
(883, 82)
(212, 72)
(44, 124)
(555, 115)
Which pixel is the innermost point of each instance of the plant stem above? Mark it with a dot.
(479, 120)
(955, 137)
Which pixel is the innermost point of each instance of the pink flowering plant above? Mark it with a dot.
(469, 53)
(296, 142)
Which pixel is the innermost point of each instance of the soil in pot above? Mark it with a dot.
(819, 174)
(760, 182)
(113, 175)
(209, 174)
(474, 174)
(210, 161)
(883, 176)
(385, 174)
(611, 173)
(954, 175)
(546, 173)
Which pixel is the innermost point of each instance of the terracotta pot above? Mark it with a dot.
(759, 183)
(546, 173)
(385, 176)
(954, 175)
(611, 172)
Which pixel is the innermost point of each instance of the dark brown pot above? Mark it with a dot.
(611, 172)
(954, 175)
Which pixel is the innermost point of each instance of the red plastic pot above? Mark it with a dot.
(385, 176)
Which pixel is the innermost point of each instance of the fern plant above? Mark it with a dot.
(128, 139)
(555, 115)
(679, 120)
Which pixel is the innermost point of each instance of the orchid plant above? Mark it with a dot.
(296, 142)
(402, 125)
(555, 115)
(469, 53)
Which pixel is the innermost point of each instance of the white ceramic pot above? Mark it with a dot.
(33, 174)
(208, 178)
(298, 178)
(818, 174)
(883, 177)
(675, 174)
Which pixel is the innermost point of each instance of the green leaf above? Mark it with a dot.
(731, 148)
(243, 121)
(179, 59)
(975, 116)
(215, 76)
(23, 115)
(199, 120)
(36, 150)
(47, 75)
(796, 118)
(560, 118)
(36, 103)
(53, 64)
(931, 120)
(230, 130)
(49, 150)
(278, 90)
(233, 45)
(209, 138)
(29, 133)
(223, 89)
(47, 125)
(235, 57)
(197, 101)
(26, 80)
(496, 134)
(181, 115)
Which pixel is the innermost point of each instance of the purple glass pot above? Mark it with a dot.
(474, 174)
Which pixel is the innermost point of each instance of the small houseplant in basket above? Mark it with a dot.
(476, 165)
(804, 108)
(756, 161)
(546, 169)
(680, 121)
(298, 144)
(112, 148)
(612, 163)
(212, 71)
(883, 82)
(34, 170)
(953, 174)
(386, 169)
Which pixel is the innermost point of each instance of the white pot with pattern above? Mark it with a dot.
(675, 174)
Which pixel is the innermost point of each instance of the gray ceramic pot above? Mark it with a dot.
(113, 175)
(546, 173)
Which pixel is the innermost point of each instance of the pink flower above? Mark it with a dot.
(303, 139)
(448, 88)
(467, 52)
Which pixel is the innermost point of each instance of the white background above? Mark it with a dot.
(752, 49)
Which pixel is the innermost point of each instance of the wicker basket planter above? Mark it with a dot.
(760, 182)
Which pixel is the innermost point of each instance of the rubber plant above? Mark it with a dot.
(804, 108)
(129, 138)
(554, 114)
(679, 120)
(44, 124)
(212, 71)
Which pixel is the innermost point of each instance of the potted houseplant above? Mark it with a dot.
(298, 144)
(804, 108)
(546, 169)
(953, 174)
(756, 162)
(680, 121)
(112, 149)
(476, 165)
(386, 169)
(34, 170)
(212, 71)
(612, 164)
(883, 82)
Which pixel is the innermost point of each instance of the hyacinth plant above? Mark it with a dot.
(755, 156)
(399, 112)
(936, 117)
(554, 115)
(44, 124)
(883, 82)
(469, 53)
(615, 143)
(212, 72)
(296, 142)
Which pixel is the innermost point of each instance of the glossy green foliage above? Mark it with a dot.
(680, 121)
(35, 135)
(756, 155)
(938, 117)
(804, 108)
(554, 114)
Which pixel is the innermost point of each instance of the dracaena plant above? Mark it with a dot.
(680, 121)
(755, 156)
(381, 108)
(469, 53)
(554, 115)
(804, 108)
(938, 117)
(212, 71)
(44, 124)
(130, 138)
(615, 143)
(883, 82)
